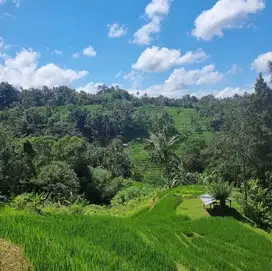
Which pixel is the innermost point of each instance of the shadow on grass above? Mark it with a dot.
(226, 212)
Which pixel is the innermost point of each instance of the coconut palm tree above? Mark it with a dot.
(163, 146)
(163, 149)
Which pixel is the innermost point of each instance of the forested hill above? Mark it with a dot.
(66, 146)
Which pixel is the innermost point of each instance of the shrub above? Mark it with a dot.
(221, 191)
(258, 208)
(130, 193)
(23, 202)
(57, 179)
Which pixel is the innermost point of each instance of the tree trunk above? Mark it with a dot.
(222, 203)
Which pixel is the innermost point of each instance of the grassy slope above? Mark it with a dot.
(156, 239)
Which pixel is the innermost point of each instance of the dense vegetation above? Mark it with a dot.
(66, 153)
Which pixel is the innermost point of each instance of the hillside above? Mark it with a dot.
(183, 123)
(161, 237)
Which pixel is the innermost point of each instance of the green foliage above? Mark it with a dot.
(58, 180)
(130, 193)
(221, 191)
(259, 205)
(8, 95)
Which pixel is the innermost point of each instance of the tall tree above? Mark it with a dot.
(162, 148)
(8, 95)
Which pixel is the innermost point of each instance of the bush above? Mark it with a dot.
(221, 191)
(23, 202)
(130, 193)
(58, 180)
(257, 207)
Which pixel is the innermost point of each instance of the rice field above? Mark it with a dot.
(159, 238)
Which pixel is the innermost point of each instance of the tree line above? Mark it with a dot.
(73, 151)
(58, 96)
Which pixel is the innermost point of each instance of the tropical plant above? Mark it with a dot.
(221, 191)
(162, 146)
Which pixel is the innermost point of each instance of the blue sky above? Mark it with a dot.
(169, 47)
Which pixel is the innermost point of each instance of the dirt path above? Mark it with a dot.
(12, 258)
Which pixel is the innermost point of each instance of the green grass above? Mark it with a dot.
(191, 208)
(154, 239)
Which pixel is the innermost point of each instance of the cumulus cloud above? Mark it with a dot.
(143, 35)
(91, 87)
(22, 70)
(181, 80)
(155, 12)
(260, 63)
(157, 59)
(225, 14)
(116, 30)
(89, 51)
(230, 92)
(135, 77)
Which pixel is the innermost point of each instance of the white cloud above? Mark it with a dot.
(58, 52)
(76, 55)
(155, 11)
(23, 70)
(233, 70)
(116, 30)
(143, 35)
(135, 77)
(90, 87)
(157, 59)
(181, 80)
(89, 51)
(225, 14)
(182, 77)
(157, 7)
(260, 63)
(230, 92)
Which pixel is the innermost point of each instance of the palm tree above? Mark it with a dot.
(163, 148)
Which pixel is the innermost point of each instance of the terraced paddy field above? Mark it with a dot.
(170, 234)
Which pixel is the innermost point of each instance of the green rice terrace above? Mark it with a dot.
(169, 231)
